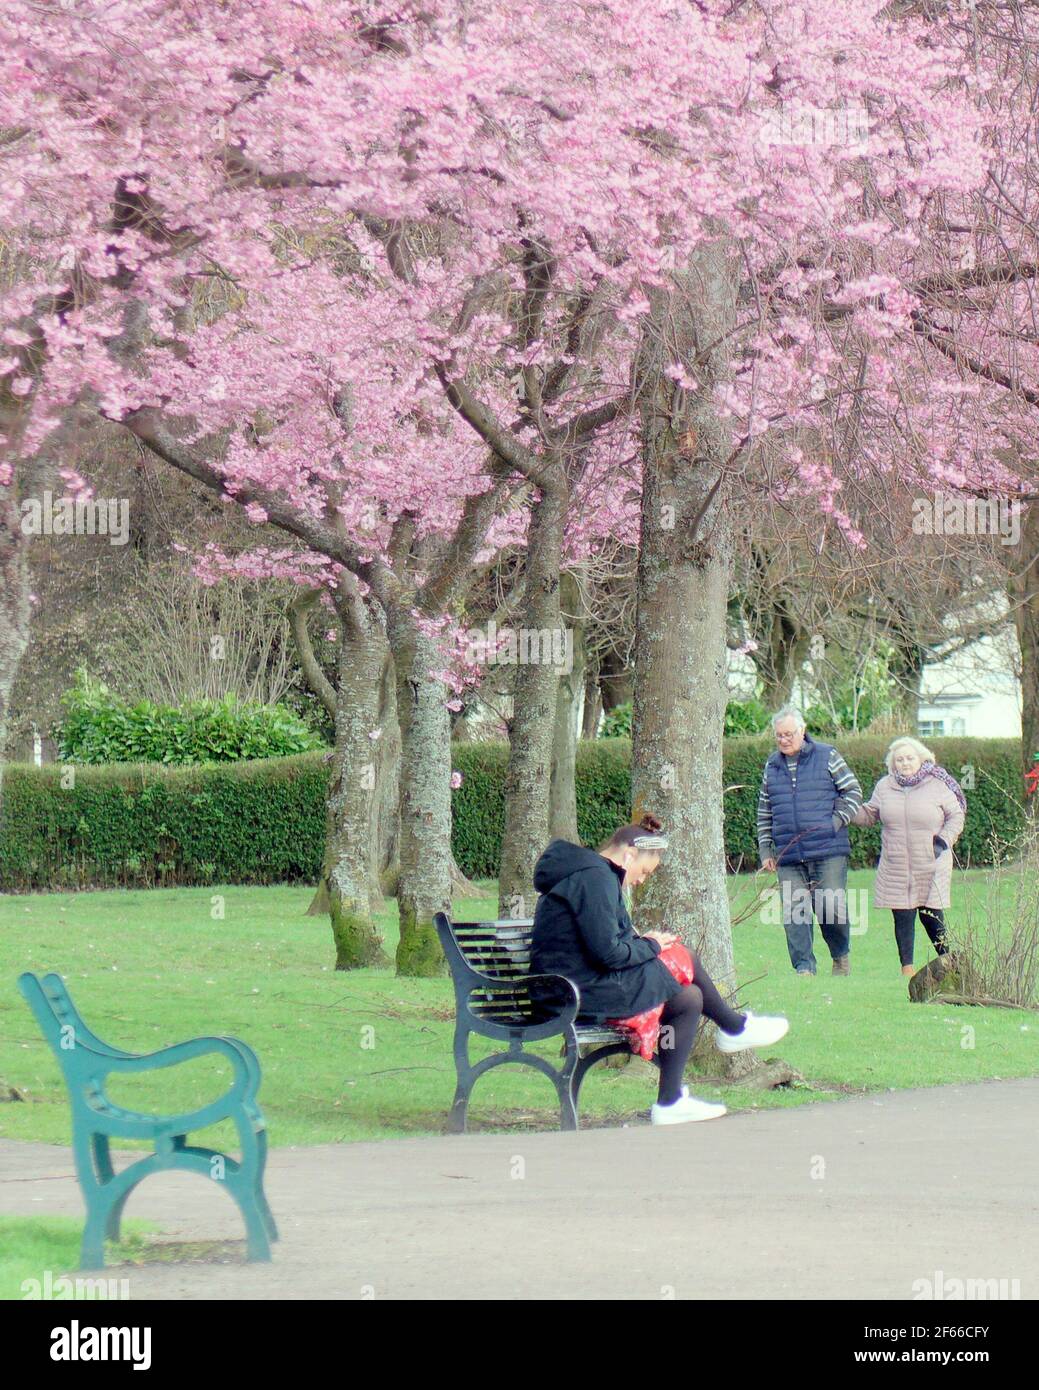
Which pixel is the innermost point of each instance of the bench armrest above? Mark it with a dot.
(564, 1012)
(241, 1057)
(249, 1058)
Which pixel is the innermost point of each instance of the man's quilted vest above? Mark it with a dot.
(802, 819)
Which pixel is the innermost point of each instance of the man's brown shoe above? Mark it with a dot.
(842, 965)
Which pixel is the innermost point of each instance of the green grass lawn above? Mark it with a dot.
(366, 1055)
(33, 1247)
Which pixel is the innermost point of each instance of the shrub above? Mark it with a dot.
(745, 717)
(617, 724)
(99, 727)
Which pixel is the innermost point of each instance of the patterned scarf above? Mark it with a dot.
(929, 769)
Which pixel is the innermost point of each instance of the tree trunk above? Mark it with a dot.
(14, 611)
(424, 882)
(32, 478)
(532, 727)
(679, 712)
(592, 703)
(616, 681)
(563, 790)
(684, 572)
(345, 890)
(787, 653)
(1023, 591)
(352, 788)
(908, 671)
(385, 864)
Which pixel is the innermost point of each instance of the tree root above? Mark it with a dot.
(982, 1000)
(766, 1076)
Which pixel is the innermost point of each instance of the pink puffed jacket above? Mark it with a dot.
(908, 874)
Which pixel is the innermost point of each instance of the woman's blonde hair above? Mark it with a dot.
(922, 752)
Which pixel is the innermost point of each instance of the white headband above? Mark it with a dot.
(650, 842)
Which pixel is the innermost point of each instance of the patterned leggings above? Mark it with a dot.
(931, 920)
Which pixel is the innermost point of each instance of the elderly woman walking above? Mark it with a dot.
(921, 812)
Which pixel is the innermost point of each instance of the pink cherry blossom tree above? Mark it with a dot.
(464, 258)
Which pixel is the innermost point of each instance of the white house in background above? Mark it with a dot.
(974, 694)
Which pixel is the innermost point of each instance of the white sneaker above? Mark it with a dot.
(756, 1032)
(684, 1110)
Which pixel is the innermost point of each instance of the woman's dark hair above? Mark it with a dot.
(644, 836)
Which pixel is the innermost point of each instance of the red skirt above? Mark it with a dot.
(645, 1027)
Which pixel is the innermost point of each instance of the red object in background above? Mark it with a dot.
(645, 1027)
(1032, 779)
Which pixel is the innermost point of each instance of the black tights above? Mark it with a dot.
(678, 1024)
(931, 920)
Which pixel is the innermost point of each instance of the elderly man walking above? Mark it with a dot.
(808, 795)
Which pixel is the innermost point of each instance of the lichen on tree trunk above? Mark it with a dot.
(563, 787)
(14, 612)
(424, 882)
(532, 728)
(352, 786)
(1023, 591)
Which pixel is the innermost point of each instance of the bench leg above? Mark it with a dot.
(92, 1249)
(456, 1120)
(568, 1085)
(94, 1169)
(458, 1115)
(261, 1196)
(115, 1218)
(569, 1106)
(246, 1187)
(562, 1080)
(568, 1117)
(101, 1153)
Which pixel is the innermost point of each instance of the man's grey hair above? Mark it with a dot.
(788, 712)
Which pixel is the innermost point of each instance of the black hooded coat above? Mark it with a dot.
(582, 930)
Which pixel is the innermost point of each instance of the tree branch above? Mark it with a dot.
(152, 428)
(297, 611)
(985, 370)
(484, 422)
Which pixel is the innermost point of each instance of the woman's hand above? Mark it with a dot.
(664, 937)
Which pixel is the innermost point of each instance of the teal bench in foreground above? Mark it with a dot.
(86, 1062)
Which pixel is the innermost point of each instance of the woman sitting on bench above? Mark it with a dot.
(646, 983)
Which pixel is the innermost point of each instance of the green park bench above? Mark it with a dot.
(86, 1062)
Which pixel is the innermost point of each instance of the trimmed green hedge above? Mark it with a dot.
(995, 803)
(143, 825)
(264, 822)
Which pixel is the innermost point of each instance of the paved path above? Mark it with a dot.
(913, 1182)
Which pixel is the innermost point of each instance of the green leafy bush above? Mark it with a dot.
(745, 717)
(617, 724)
(99, 727)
